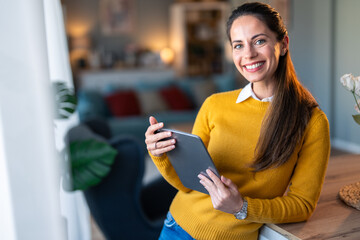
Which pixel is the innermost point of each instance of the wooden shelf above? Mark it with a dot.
(198, 37)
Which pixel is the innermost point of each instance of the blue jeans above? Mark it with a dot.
(172, 231)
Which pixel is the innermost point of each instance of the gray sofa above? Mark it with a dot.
(127, 108)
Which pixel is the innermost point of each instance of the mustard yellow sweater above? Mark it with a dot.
(230, 132)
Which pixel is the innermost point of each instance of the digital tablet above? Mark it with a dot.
(189, 158)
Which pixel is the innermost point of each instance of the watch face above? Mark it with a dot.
(242, 214)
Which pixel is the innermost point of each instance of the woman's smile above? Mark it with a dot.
(254, 67)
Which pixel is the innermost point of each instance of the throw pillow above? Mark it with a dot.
(123, 103)
(175, 98)
(151, 102)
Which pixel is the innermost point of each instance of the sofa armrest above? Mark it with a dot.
(91, 105)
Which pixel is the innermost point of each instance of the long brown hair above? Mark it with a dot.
(290, 110)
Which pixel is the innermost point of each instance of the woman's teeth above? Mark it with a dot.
(254, 65)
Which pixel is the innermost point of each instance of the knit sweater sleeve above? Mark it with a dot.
(306, 182)
(201, 126)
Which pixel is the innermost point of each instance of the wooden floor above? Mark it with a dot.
(97, 235)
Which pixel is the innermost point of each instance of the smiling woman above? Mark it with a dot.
(269, 141)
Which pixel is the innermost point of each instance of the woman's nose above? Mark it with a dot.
(250, 51)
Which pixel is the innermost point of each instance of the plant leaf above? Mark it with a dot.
(91, 161)
(65, 100)
(357, 118)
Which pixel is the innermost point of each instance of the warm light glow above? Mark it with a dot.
(78, 29)
(167, 55)
(79, 49)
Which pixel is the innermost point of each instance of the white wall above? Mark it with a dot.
(311, 42)
(346, 60)
(323, 46)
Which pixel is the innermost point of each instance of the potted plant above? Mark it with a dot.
(88, 157)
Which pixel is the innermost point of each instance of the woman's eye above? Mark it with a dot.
(238, 46)
(260, 41)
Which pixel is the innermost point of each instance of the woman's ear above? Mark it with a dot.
(284, 45)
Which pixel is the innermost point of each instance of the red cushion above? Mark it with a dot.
(123, 103)
(175, 98)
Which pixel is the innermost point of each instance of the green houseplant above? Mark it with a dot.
(89, 160)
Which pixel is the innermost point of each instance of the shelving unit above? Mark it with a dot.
(198, 37)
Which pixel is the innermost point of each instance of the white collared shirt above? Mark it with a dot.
(247, 92)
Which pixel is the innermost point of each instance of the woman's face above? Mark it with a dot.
(256, 51)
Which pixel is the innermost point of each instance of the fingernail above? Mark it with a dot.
(161, 124)
(173, 141)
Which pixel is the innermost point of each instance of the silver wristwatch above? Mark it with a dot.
(242, 214)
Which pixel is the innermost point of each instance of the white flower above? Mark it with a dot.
(357, 85)
(352, 84)
(348, 81)
(357, 106)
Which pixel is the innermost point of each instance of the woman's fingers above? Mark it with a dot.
(223, 192)
(152, 120)
(208, 184)
(213, 183)
(153, 128)
(164, 144)
(219, 184)
(155, 142)
(152, 138)
(160, 151)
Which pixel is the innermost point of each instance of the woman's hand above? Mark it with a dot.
(153, 141)
(223, 192)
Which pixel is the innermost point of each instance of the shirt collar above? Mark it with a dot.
(247, 92)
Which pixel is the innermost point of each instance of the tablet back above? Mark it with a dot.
(189, 158)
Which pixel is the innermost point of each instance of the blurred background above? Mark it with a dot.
(127, 60)
(186, 40)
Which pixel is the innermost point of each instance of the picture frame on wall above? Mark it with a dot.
(116, 16)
